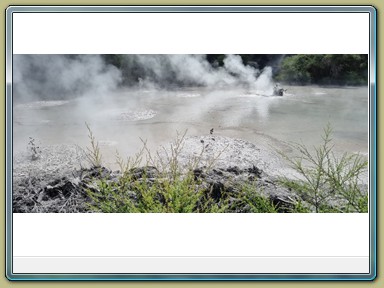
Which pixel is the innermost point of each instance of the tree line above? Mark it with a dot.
(324, 69)
(293, 69)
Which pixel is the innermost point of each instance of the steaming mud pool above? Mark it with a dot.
(249, 129)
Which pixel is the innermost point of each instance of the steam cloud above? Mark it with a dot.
(43, 77)
(89, 83)
(164, 71)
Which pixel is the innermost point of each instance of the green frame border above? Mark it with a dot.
(374, 89)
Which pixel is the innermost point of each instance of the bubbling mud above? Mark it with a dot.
(41, 104)
(131, 115)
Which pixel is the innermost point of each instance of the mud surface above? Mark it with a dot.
(46, 181)
(223, 152)
(58, 177)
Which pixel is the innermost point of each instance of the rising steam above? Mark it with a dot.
(56, 94)
(44, 77)
(165, 71)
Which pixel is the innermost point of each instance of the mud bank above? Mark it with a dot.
(70, 194)
(60, 180)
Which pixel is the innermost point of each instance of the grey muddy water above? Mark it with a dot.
(119, 119)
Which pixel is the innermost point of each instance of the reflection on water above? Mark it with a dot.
(157, 115)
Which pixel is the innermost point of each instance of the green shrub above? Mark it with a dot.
(171, 191)
(329, 183)
(158, 195)
(250, 198)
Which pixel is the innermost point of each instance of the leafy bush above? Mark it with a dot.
(254, 200)
(329, 183)
(170, 190)
(163, 186)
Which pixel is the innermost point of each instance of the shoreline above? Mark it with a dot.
(62, 168)
(62, 179)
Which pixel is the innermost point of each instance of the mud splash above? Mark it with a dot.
(130, 115)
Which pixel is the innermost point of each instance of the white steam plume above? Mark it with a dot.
(43, 77)
(166, 71)
(37, 77)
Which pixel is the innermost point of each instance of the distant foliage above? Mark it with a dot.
(328, 69)
(301, 69)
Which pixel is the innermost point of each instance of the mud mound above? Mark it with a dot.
(58, 195)
(223, 152)
(58, 181)
(51, 162)
(33, 175)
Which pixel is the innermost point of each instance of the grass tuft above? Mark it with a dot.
(94, 154)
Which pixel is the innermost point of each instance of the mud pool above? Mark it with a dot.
(119, 119)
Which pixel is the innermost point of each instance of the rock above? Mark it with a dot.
(218, 172)
(278, 91)
(256, 171)
(51, 192)
(234, 170)
(221, 183)
(198, 173)
(216, 191)
(147, 172)
(96, 172)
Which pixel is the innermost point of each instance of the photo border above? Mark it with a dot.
(196, 9)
